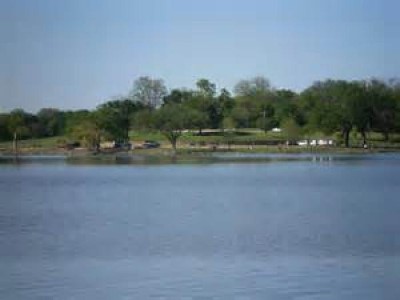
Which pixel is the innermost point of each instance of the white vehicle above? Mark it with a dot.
(302, 143)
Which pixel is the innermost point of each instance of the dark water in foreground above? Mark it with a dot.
(309, 229)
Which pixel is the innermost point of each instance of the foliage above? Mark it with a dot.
(88, 131)
(253, 87)
(51, 121)
(291, 129)
(116, 118)
(148, 91)
(4, 131)
(327, 107)
(171, 120)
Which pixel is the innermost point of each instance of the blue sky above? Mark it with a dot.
(78, 53)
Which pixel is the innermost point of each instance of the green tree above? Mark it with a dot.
(336, 105)
(4, 130)
(18, 126)
(255, 102)
(116, 118)
(206, 104)
(395, 88)
(143, 119)
(225, 106)
(253, 87)
(74, 118)
(252, 112)
(266, 119)
(171, 120)
(240, 115)
(51, 121)
(291, 129)
(383, 107)
(18, 123)
(206, 88)
(178, 96)
(89, 131)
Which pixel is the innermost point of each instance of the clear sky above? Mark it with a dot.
(78, 53)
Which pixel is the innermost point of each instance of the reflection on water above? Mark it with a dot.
(318, 227)
(194, 158)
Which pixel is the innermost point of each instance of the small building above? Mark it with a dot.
(316, 142)
(302, 143)
(107, 145)
(322, 142)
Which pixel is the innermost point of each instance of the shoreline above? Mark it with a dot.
(183, 155)
(167, 151)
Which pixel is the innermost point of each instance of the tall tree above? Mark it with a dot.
(74, 118)
(89, 130)
(206, 88)
(116, 117)
(381, 99)
(344, 102)
(18, 126)
(266, 119)
(225, 106)
(291, 129)
(148, 91)
(51, 121)
(256, 86)
(178, 96)
(4, 132)
(18, 123)
(171, 120)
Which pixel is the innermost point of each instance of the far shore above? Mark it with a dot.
(188, 155)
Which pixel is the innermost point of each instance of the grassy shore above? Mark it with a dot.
(191, 143)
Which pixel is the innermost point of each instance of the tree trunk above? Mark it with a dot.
(97, 142)
(386, 136)
(172, 137)
(346, 135)
(173, 143)
(364, 136)
(15, 144)
(127, 136)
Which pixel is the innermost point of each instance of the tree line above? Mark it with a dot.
(330, 106)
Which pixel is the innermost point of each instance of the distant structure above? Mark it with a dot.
(314, 142)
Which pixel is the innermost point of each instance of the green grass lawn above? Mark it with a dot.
(215, 137)
(44, 143)
(241, 136)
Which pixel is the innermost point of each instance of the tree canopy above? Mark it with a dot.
(148, 91)
(328, 107)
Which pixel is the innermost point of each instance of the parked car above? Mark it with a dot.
(303, 143)
(150, 144)
(72, 145)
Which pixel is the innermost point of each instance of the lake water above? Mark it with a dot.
(313, 228)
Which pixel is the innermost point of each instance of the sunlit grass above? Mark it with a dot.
(192, 140)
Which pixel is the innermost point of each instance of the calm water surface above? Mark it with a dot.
(307, 229)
